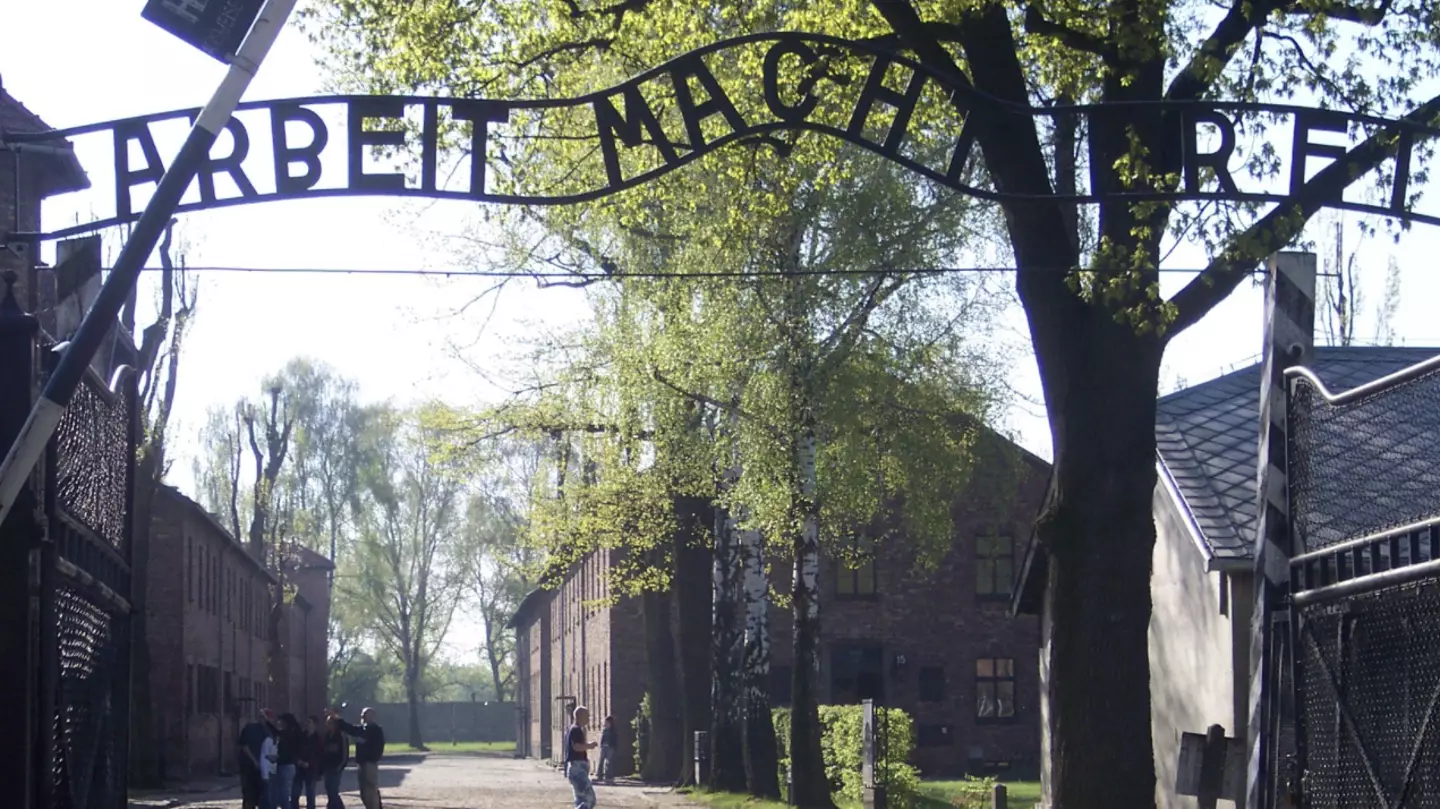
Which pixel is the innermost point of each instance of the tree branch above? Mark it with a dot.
(1285, 221)
(728, 407)
(1356, 14)
(1196, 79)
(1036, 23)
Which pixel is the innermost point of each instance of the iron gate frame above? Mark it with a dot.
(1335, 577)
(76, 535)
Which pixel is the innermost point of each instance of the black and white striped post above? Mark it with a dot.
(45, 416)
(1289, 341)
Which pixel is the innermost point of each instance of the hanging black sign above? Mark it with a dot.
(680, 111)
(216, 27)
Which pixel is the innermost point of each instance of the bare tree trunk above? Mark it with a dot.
(153, 412)
(664, 756)
(494, 658)
(727, 760)
(762, 764)
(412, 698)
(692, 604)
(811, 788)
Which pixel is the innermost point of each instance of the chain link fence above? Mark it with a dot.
(1364, 464)
(1371, 669)
(1366, 654)
(85, 585)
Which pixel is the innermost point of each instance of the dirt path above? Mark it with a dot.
(440, 781)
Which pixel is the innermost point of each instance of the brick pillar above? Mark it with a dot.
(1289, 341)
(18, 535)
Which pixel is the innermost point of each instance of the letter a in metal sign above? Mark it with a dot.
(216, 27)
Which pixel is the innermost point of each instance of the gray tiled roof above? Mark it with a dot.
(1208, 438)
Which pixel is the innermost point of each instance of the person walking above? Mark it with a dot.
(369, 749)
(606, 770)
(577, 760)
(307, 767)
(333, 762)
(288, 741)
(249, 746)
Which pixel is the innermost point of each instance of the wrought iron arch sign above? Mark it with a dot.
(624, 120)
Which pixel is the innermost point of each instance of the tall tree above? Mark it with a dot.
(408, 577)
(1342, 296)
(727, 712)
(161, 344)
(1097, 320)
(326, 456)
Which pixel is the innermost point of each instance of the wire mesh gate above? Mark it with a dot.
(1364, 639)
(74, 534)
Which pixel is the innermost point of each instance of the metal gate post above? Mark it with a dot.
(18, 531)
(1289, 339)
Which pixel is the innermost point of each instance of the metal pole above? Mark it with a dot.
(45, 416)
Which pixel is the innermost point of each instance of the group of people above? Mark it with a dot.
(577, 757)
(281, 759)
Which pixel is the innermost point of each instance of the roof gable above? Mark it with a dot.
(64, 172)
(1207, 437)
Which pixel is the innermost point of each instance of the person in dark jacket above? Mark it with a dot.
(334, 761)
(252, 782)
(307, 767)
(606, 771)
(289, 739)
(369, 749)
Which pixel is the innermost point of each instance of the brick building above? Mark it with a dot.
(208, 628)
(43, 172)
(206, 603)
(938, 643)
(305, 624)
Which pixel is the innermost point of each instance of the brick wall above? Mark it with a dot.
(932, 625)
(207, 636)
(28, 208)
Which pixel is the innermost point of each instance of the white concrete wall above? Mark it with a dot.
(1191, 662)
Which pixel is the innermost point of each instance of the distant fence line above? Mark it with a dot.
(449, 721)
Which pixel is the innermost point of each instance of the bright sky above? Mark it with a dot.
(82, 61)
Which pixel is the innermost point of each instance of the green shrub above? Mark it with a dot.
(640, 726)
(973, 793)
(842, 745)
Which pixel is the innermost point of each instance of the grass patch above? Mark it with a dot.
(729, 800)
(950, 793)
(472, 748)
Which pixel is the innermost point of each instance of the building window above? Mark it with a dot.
(207, 687)
(932, 684)
(994, 568)
(855, 569)
(857, 673)
(190, 689)
(934, 736)
(190, 568)
(780, 686)
(995, 689)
